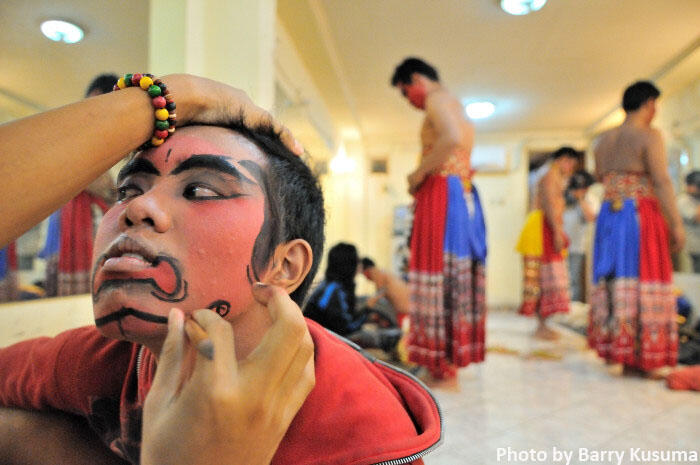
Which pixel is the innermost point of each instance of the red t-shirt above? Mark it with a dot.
(359, 412)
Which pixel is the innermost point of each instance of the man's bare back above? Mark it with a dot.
(638, 147)
(623, 148)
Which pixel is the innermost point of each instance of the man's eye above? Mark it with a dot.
(128, 191)
(198, 191)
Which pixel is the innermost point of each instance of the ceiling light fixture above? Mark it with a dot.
(62, 31)
(341, 163)
(480, 110)
(521, 7)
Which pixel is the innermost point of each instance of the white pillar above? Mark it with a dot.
(226, 40)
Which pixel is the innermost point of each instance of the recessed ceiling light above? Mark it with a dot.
(62, 31)
(480, 110)
(521, 7)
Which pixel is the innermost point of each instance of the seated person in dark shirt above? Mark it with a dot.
(333, 303)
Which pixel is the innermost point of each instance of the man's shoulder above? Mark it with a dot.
(359, 411)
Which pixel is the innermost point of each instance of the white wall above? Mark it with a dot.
(679, 119)
(45, 317)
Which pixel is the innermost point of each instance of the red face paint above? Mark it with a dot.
(416, 94)
(182, 234)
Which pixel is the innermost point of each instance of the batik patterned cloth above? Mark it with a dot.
(545, 275)
(633, 308)
(447, 276)
(68, 248)
(8, 273)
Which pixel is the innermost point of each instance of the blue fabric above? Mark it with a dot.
(465, 234)
(328, 306)
(53, 236)
(328, 293)
(616, 245)
(4, 264)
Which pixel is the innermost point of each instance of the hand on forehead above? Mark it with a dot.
(205, 140)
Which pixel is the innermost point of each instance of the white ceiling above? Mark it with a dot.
(563, 67)
(47, 74)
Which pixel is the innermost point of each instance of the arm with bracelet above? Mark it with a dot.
(63, 150)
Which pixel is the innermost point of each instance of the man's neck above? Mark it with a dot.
(636, 119)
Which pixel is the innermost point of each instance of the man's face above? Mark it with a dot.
(568, 165)
(415, 93)
(181, 234)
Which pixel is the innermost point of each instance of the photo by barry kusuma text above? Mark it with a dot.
(578, 455)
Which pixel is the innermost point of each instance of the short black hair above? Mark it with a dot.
(693, 178)
(102, 83)
(637, 95)
(403, 72)
(565, 151)
(581, 179)
(367, 263)
(342, 262)
(294, 201)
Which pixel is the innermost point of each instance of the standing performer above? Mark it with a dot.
(448, 241)
(633, 307)
(543, 242)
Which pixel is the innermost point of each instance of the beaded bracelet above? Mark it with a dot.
(162, 101)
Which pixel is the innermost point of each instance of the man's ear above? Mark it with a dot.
(291, 263)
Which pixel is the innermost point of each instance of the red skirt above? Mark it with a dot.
(71, 267)
(446, 278)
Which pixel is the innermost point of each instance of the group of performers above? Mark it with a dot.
(632, 315)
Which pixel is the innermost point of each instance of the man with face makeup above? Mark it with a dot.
(448, 240)
(223, 218)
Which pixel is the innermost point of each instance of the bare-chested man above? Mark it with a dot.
(542, 243)
(633, 306)
(448, 242)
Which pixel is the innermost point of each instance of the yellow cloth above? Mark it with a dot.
(530, 241)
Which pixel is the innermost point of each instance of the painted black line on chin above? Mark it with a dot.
(127, 311)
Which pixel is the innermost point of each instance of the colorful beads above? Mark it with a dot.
(159, 102)
(145, 82)
(162, 100)
(154, 91)
(162, 114)
(160, 134)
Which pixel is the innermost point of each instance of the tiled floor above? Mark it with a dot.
(557, 395)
